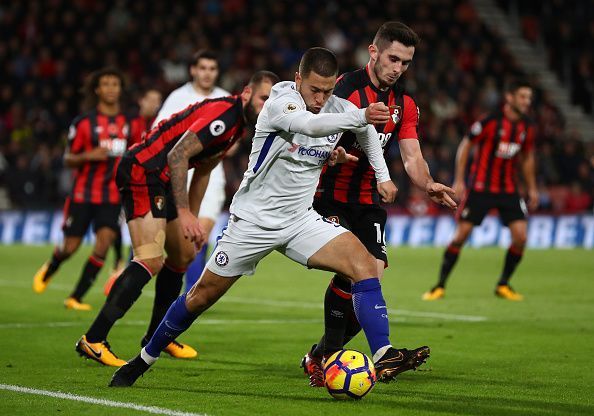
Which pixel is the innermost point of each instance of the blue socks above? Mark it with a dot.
(195, 268)
(176, 321)
(371, 312)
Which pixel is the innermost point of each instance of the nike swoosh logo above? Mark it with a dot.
(95, 353)
(394, 359)
(380, 307)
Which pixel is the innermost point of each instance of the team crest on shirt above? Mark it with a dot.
(160, 202)
(290, 108)
(333, 219)
(522, 137)
(221, 258)
(396, 114)
(217, 127)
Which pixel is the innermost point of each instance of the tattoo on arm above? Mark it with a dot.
(178, 159)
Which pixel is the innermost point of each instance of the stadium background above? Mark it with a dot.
(48, 47)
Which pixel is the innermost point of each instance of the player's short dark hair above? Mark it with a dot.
(395, 31)
(319, 60)
(515, 84)
(90, 99)
(204, 54)
(261, 76)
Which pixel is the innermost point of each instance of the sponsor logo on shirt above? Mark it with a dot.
(507, 150)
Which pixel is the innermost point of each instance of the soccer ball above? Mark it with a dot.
(349, 374)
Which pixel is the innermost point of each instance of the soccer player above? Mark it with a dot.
(204, 72)
(153, 182)
(296, 134)
(96, 141)
(346, 193)
(148, 106)
(504, 141)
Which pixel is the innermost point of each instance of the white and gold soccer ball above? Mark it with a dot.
(349, 374)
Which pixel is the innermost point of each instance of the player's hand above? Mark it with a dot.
(460, 188)
(97, 154)
(533, 199)
(377, 113)
(190, 226)
(387, 191)
(339, 155)
(441, 194)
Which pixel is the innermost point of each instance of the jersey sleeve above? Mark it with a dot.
(79, 136)
(476, 132)
(529, 142)
(283, 111)
(217, 118)
(409, 129)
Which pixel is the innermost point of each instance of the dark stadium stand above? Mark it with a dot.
(48, 47)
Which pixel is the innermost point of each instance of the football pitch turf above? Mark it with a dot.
(489, 356)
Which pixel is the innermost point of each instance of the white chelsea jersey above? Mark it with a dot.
(289, 149)
(182, 97)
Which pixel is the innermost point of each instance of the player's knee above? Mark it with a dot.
(154, 264)
(363, 266)
(182, 258)
(519, 241)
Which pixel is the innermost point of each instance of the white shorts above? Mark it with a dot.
(214, 196)
(243, 244)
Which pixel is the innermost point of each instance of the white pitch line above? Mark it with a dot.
(298, 305)
(310, 305)
(101, 402)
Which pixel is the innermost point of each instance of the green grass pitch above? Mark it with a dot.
(489, 356)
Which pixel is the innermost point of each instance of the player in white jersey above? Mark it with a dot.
(296, 133)
(204, 72)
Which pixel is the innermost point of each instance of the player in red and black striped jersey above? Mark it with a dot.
(503, 141)
(347, 193)
(152, 179)
(96, 142)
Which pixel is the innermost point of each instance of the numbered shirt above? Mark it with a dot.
(354, 182)
(94, 182)
(217, 123)
(284, 166)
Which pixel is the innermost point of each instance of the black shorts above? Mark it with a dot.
(511, 207)
(367, 222)
(78, 217)
(143, 191)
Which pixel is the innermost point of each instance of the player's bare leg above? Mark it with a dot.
(148, 238)
(61, 253)
(180, 316)
(450, 257)
(103, 240)
(369, 305)
(519, 231)
(169, 282)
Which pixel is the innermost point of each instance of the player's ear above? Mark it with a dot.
(246, 93)
(373, 51)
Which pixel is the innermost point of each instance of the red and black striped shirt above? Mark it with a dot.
(354, 182)
(94, 182)
(499, 141)
(218, 123)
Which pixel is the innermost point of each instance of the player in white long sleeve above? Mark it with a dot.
(296, 134)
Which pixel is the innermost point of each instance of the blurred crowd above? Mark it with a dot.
(566, 30)
(48, 47)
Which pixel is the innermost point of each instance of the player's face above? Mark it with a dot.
(205, 73)
(315, 90)
(391, 62)
(150, 103)
(109, 89)
(520, 100)
(258, 96)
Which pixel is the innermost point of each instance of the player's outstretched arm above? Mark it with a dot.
(417, 169)
(178, 160)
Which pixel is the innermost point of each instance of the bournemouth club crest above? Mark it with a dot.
(160, 202)
(396, 113)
